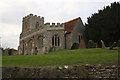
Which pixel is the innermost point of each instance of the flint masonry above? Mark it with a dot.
(38, 37)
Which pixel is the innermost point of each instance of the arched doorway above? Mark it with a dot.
(36, 51)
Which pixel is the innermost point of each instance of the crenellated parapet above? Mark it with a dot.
(55, 25)
(33, 17)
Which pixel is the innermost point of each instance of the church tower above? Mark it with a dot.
(31, 26)
(31, 22)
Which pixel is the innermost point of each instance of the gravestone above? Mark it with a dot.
(96, 45)
(103, 45)
(111, 47)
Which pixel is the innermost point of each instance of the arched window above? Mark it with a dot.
(37, 25)
(81, 37)
(36, 51)
(58, 41)
(55, 40)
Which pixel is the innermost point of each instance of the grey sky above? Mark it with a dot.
(61, 11)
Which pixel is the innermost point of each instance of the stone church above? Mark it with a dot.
(38, 37)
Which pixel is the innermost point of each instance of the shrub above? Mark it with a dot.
(75, 46)
(91, 44)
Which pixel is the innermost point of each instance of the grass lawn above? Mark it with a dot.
(0, 60)
(63, 57)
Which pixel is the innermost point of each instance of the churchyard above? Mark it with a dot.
(64, 57)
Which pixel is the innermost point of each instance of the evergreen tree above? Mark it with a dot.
(104, 25)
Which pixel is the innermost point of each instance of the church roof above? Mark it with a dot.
(71, 24)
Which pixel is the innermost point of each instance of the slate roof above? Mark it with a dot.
(71, 24)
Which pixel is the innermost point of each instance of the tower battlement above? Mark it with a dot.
(33, 16)
(55, 24)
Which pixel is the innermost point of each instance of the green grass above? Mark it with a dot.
(0, 60)
(63, 57)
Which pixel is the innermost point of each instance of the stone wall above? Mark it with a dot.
(103, 71)
(68, 41)
(48, 39)
(84, 71)
(48, 72)
(76, 36)
(76, 33)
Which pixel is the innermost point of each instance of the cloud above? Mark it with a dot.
(10, 41)
(9, 35)
(12, 12)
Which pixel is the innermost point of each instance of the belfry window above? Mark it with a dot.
(37, 25)
(55, 40)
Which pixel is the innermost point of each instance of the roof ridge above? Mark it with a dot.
(73, 20)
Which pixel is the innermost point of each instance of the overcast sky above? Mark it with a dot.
(12, 12)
